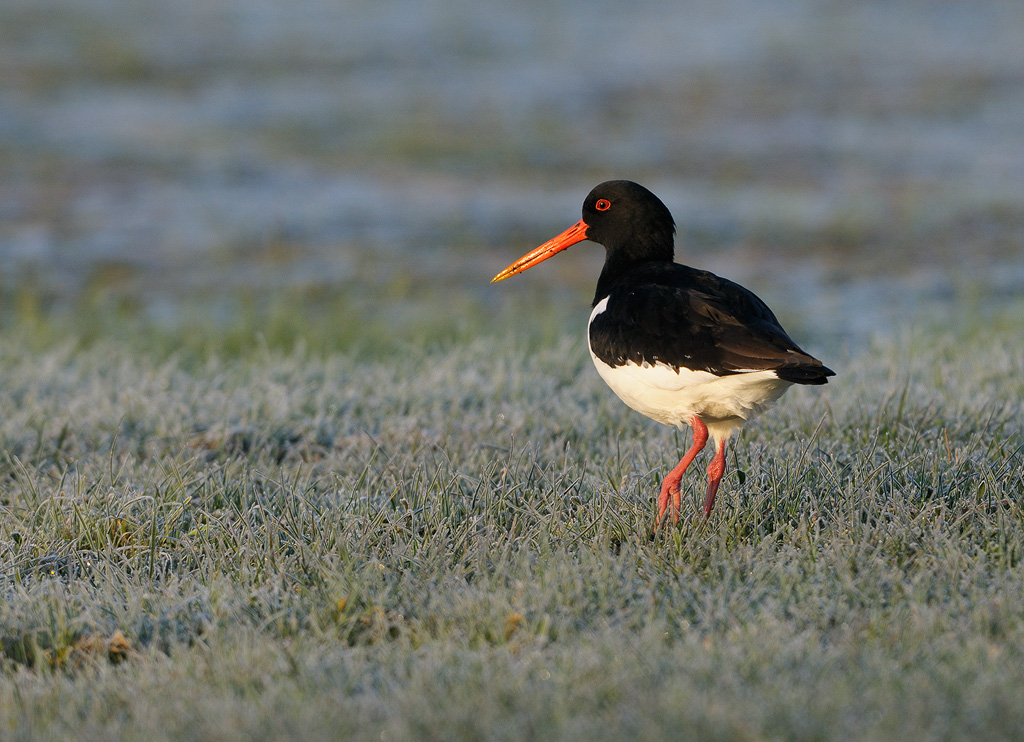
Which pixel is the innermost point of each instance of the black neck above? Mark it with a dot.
(618, 262)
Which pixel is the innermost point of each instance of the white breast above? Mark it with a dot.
(673, 396)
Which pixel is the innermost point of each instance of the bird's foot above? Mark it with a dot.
(670, 485)
(716, 469)
(669, 495)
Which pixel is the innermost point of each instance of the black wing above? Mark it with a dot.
(682, 317)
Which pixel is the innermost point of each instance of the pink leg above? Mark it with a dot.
(670, 487)
(715, 471)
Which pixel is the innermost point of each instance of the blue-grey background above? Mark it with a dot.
(858, 164)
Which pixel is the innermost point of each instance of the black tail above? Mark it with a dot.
(805, 374)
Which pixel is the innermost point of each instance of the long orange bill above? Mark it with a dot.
(576, 233)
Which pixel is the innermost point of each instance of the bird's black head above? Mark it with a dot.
(630, 221)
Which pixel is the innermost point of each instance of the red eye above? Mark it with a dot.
(603, 204)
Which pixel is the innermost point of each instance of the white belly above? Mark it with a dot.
(673, 396)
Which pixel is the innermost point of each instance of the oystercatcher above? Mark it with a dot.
(680, 345)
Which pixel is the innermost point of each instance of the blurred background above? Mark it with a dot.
(860, 165)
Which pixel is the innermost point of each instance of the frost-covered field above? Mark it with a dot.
(276, 462)
(452, 542)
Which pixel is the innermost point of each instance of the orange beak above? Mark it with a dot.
(576, 233)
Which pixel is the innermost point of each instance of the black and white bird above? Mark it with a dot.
(680, 345)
